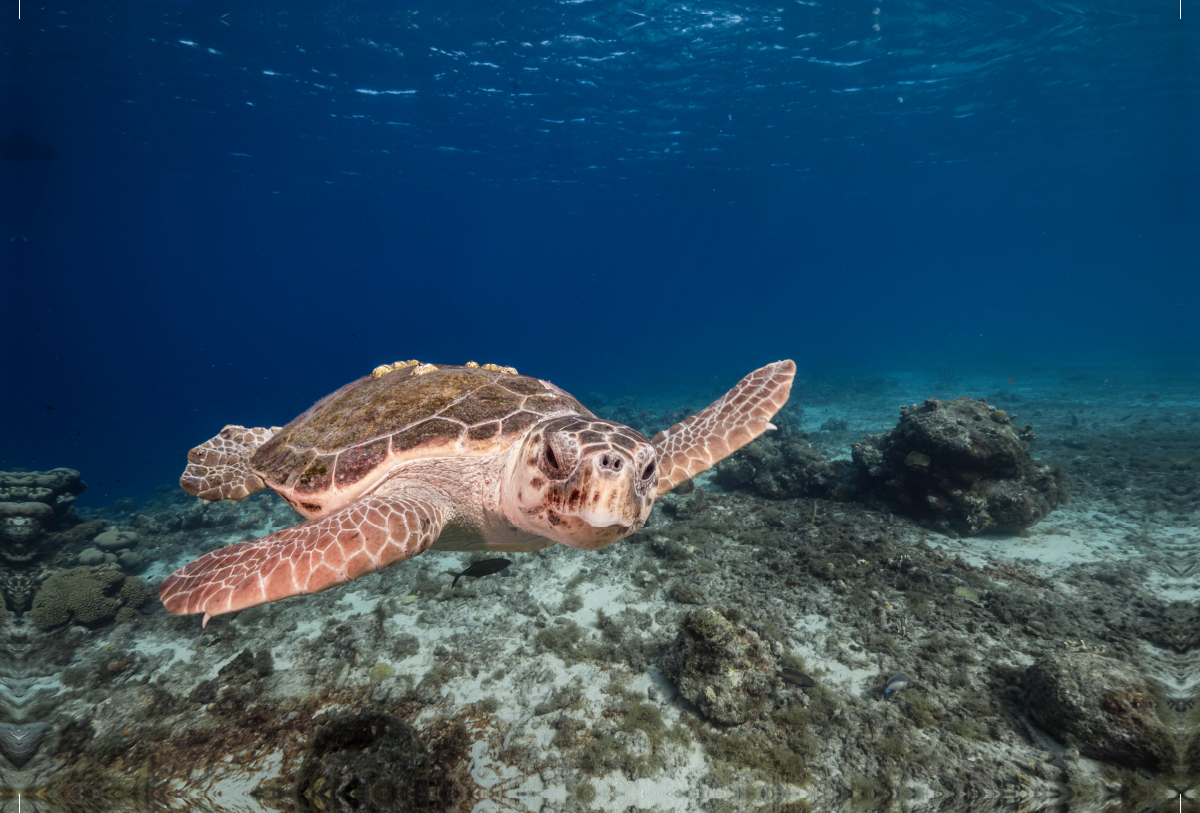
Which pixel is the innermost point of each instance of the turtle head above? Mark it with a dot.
(580, 481)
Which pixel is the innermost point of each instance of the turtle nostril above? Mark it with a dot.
(611, 462)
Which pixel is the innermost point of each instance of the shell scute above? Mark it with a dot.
(317, 476)
(358, 461)
(484, 404)
(519, 422)
(437, 431)
(522, 385)
(484, 431)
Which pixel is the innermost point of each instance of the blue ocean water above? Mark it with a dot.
(250, 206)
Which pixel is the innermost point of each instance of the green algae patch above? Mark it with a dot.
(381, 671)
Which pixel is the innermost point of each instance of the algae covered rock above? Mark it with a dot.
(87, 595)
(959, 464)
(1101, 706)
(722, 668)
(369, 762)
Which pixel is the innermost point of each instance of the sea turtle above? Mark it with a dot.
(417, 456)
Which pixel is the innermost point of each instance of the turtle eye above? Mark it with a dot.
(648, 472)
(551, 460)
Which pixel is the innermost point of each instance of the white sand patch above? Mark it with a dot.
(151, 647)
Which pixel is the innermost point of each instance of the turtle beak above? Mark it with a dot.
(599, 504)
(576, 532)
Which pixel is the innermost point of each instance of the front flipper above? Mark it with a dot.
(219, 468)
(698, 443)
(363, 537)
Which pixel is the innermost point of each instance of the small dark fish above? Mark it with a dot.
(1127, 417)
(353, 336)
(484, 568)
(895, 683)
(49, 407)
(797, 678)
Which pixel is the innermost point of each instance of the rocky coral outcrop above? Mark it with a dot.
(785, 467)
(114, 546)
(1101, 706)
(33, 503)
(959, 464)
(116, 539)
(87, 595)
(722, 668)
(370, 762)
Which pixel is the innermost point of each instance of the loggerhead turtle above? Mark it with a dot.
(416, 456)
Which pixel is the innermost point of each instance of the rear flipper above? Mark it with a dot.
(363, 537)
(219, 469)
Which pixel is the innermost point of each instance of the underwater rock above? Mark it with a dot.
(369, 763)
(91, 556)
(724, 669)
(131, 562)
(33, 503)
(116, 539)
(1101, 706)
(19, 743)
(959, 464)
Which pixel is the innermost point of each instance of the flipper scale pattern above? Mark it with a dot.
(698, 443)
(367, 535)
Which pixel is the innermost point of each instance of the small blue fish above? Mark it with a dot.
(895, 683)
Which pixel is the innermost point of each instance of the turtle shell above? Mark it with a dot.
(348, 441)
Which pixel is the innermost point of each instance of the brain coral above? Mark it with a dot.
(86, 595)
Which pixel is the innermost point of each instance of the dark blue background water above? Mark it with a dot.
(249, 209)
